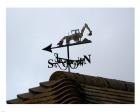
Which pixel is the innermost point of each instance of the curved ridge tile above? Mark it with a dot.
(92, 80)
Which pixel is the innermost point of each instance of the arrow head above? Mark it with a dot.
(48, 48)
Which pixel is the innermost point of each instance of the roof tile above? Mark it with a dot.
(65, 87)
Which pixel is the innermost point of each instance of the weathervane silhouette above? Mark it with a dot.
(76, 35)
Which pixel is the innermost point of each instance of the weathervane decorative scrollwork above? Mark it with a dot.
(63, 63)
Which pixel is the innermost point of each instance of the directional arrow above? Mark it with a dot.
(49, 48)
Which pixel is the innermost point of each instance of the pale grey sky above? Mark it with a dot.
(29, 30)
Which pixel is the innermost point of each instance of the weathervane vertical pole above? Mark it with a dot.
(68, 58)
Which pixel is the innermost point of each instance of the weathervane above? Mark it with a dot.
(63, 63)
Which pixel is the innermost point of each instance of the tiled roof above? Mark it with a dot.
(73, 88)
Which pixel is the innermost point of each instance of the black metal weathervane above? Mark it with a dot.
(63, 63)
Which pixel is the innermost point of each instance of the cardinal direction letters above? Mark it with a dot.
(63, 63)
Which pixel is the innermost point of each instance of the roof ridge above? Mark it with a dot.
(93, 80)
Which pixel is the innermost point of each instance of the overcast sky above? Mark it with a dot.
(30, 30)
